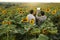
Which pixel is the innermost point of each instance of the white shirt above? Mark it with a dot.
(30, 17)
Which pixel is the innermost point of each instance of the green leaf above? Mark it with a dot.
(43, 37)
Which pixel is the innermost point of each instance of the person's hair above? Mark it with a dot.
(31, 11)
(42, 13)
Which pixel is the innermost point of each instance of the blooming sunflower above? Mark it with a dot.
(23, 12)
(25, 20)
(32, 21)
(4, 11)
(44, 31)
(9, 22)
(4, 22)
(54, 12)
(48, 10)
(18, 8)
(20, 12)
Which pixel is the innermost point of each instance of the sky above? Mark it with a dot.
(43, 1)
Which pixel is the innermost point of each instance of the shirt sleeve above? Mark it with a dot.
(37, 17)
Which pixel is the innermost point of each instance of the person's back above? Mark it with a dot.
(31, 16)
(41, 18)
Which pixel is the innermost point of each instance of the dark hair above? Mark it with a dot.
(42, 13)
(31, 11)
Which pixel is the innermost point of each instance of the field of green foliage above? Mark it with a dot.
(14, 25)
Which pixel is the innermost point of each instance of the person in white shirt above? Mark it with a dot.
(30, 16)
(42, 18)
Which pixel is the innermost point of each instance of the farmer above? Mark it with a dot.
(31, 16)
(41, 19)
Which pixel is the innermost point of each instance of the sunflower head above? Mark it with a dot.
(32, 21)
(48, 10)
(4, 11)
(20, 12)
(25, 20)
(18, 8)
(53, 12)
(3, 22)
(9, 22)
(44, 31)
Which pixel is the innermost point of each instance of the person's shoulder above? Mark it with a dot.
(44, 16)
(28, 14)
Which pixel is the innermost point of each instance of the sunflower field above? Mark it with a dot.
(14, 24)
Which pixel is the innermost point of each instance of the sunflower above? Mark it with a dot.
(20, 12)
(4, 11)
(32, 21)
(4, 22)
(25, 20)
(54, 12)
(18, 8)
(23, 12)
(44, 31)
(9, 22)
(48, 10)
